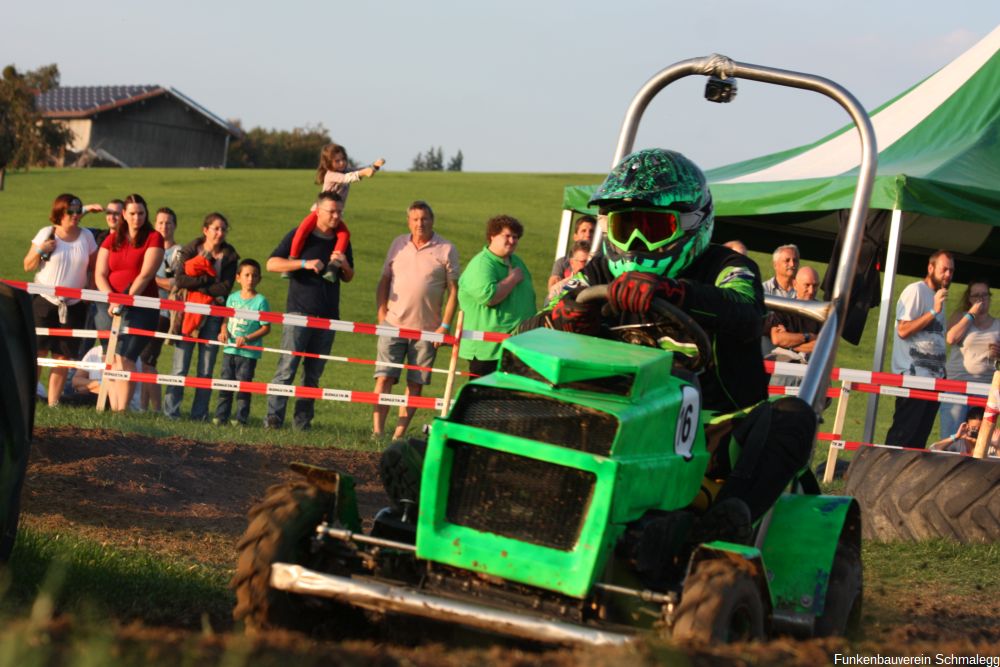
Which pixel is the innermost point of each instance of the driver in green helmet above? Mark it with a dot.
(658, 245)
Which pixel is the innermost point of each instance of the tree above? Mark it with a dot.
(27, 139)
(433, 160)
(279, 149)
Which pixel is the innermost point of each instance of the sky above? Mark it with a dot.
(522, 85)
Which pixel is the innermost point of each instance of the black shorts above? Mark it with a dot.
(46, 314)
(130, 345)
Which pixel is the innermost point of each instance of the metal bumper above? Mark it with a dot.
(386, 598)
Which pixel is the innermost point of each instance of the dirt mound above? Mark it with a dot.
(171, 495)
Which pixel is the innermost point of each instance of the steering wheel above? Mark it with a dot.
(669, 322)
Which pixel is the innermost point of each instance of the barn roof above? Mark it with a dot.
(66, 102)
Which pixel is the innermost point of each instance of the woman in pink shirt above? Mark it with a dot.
(126, 264)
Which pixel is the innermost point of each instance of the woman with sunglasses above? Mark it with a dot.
(974, 336)
(61, 254)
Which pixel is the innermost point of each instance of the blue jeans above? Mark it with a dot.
(183, 352)
(299, 339)
(235, 367)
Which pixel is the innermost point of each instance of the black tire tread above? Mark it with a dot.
(907, 495)
(708, 593)
(278, 526)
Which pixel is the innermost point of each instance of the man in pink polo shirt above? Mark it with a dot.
(418, 290)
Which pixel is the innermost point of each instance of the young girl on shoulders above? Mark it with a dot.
(332, 175)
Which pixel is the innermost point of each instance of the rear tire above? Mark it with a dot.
(720, 603)
(281, 529)
(917, 496)
(18, 350)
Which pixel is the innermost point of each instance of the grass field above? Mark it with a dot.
(263, 204)
(96, 580)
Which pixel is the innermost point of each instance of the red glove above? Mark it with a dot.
(582, 318)
(633, 292)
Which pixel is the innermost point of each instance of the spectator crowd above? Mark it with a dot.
(421, 286)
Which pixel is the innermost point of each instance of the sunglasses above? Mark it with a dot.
(654, 227)
(74, 211)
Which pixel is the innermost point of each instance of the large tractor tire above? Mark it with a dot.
(18, 349)
(907, 495)
(720, 603)
(280, 531)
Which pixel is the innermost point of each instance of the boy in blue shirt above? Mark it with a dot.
(239, 363)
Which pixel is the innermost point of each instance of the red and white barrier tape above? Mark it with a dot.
(93, 333)
(291, 391)
(884, 379)
(257, 315)
(939, 397)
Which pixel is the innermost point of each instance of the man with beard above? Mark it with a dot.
(919, 348)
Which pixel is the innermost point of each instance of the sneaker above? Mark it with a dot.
(727, 520)
(216, 421)
(272, 421)
(236, 422)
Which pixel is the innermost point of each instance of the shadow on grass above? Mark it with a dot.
(74, 575)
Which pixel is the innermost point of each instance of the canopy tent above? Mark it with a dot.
(938, 164)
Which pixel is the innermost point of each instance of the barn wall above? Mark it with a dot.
(160, 132)
(81, 133)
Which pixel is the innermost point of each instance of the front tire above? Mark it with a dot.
(720, 603)
(281, 530)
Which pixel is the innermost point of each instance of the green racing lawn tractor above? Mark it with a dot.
(556, 498)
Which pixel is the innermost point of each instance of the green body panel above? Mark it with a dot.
(799, 550)
(656, 461)
(570, 572)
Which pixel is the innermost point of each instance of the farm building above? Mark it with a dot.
(137, 126)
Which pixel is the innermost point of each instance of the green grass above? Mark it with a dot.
(262, 206)
(94, 581)
(948, 567)
(62, 571)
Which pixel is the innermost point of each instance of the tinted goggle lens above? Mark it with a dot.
(655, 227)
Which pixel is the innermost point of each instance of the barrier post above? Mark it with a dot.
(449, 384)
(989, 416)
(838, 428)
(102, 393)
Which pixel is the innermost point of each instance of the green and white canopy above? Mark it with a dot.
(938, 163)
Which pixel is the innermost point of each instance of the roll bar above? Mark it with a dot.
(817, 378)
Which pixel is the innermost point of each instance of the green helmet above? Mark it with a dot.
(660, 213)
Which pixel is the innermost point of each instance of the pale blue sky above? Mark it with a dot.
(517, 86)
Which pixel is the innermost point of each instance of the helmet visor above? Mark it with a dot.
(654, 227)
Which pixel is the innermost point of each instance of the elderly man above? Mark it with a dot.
(793, 336)
(785, 260)
(919, 348)
(309, 294)
(419, 276)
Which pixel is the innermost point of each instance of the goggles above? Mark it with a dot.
(655, 227)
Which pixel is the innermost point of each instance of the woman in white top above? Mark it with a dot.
(974, 336)
(61, 254)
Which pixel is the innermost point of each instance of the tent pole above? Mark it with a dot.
(563, 239)
(886, 314)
